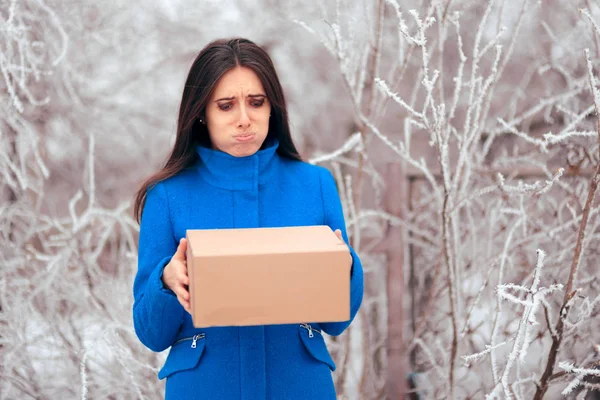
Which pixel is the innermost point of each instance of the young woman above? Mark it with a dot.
(233, 165)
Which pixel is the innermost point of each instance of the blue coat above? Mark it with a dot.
(222, 363)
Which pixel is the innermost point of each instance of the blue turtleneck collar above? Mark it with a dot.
(223, 170)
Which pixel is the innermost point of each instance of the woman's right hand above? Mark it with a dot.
(175, 275)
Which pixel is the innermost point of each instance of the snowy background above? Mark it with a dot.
(464, 136)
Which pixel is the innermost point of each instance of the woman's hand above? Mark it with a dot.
(175, 275)
(339, 235)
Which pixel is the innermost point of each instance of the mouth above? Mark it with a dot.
(244, 137)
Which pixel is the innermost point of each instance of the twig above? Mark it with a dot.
(451, 292)
(556, 341)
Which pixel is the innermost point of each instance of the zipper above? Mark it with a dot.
(310, 330)
(194, 339)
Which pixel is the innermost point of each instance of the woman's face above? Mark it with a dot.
(237, 114)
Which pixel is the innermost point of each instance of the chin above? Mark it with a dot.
(244, 150)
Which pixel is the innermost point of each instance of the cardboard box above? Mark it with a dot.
(260, 276)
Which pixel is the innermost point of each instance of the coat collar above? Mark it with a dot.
(225, 171)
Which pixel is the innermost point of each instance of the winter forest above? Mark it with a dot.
(465, 141)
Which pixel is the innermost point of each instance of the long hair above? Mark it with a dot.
(210, 65)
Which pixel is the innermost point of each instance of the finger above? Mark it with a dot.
(339, 234)
(185, 304)
(182, 293)
(181, 249)
(185, 280)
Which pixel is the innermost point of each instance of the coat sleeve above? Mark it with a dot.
(334, 218)
(157, 314)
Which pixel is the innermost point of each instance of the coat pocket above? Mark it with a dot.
(184, 354)
(314, 343)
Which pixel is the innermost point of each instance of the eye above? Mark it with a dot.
(257, 103)
(225, 106)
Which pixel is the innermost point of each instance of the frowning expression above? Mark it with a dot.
(237, 114)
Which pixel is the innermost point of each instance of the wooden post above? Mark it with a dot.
(395, 201)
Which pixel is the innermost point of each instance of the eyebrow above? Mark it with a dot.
(231, 98)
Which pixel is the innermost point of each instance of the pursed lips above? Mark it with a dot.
(242, 137)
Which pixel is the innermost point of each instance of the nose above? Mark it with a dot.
(244, 121)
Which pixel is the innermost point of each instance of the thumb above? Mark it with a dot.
(181, 249)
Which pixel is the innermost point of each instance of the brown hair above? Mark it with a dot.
(210, 65)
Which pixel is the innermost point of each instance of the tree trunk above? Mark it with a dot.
(395, 199)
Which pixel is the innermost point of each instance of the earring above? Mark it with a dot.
(201, 120)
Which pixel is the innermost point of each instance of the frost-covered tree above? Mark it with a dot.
(488, 110)
(491, 110)
(88, 98)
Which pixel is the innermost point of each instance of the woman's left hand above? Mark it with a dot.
(339, 235)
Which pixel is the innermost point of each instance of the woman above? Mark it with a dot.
(233, 165)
